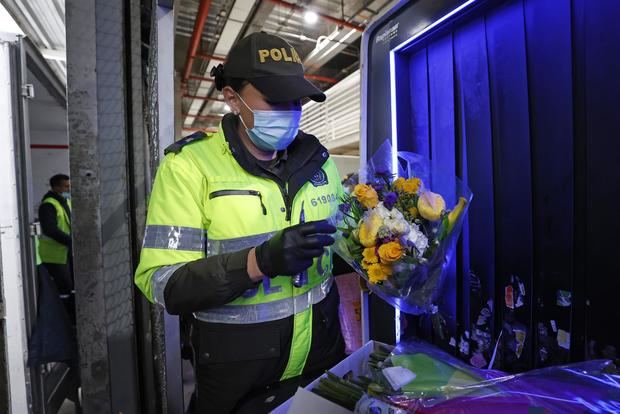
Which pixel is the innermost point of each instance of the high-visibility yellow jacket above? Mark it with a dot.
(51, 251)
(205, 204)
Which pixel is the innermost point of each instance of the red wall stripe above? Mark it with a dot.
(47, 146)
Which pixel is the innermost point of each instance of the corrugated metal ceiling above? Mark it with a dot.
(343, 51)
(186, 15)
(43, 21)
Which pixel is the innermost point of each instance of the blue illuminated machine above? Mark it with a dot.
(521, 99)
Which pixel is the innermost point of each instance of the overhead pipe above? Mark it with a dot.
(194, 43)
(339, 22)
(203, 116)
(210, 57)
(204, 98)
(201, 78)
(320, 78)
(306, 75)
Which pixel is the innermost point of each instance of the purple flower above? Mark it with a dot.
(382, 172)
(390, 200)
(378, 187)
(345, 208)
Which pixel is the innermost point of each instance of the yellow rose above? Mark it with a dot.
(387, 268)
(366, 195)
(368, 230)
(375, 273)
(431, 205)
(370, 256)
(390, 252)
(399, 184)
(412, 185)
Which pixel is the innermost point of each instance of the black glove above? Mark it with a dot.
(292, 250)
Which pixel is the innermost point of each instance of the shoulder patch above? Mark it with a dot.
(176, 147)
(319, 178)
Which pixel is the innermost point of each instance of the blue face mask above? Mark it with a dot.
(66, 195)
(273, 130)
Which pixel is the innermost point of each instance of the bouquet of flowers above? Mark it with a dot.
(398, 234)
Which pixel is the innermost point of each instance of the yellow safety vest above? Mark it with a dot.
(50, 251)
(204, 203)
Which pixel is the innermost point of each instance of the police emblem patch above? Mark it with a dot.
(319, 178)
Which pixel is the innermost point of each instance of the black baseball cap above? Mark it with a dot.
(272, 66)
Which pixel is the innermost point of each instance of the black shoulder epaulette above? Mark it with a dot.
(178, 145)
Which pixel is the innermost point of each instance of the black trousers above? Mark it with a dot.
(62, 275)
(238, 367)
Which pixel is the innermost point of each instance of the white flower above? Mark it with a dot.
(397, 226)
(392, 219)
(382, 211)
(393, 214)
(417, 238)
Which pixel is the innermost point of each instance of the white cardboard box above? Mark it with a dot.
(306, 402)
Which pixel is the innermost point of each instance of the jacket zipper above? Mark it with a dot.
(287, 201)
(287, 204)
(258, 194)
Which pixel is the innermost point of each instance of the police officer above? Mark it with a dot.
(236, 234)
(55, 241)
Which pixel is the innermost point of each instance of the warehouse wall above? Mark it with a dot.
(48, 136)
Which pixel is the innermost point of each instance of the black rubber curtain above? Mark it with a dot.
(521, 101)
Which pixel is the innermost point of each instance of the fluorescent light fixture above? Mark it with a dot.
(407, 42)
(338, 43)
(322, 42)
(396, 326)
(393, 113)
(311, 17)
(394, 162)
(303, 38)
(433, 25)
(393, 77)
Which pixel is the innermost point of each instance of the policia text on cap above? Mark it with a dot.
(223, 236)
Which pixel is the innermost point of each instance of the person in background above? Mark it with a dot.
(236, 234)
(55, 241)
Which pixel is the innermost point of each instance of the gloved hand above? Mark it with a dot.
(292, 250)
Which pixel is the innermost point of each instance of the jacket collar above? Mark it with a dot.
(303, 151)
(61, 200)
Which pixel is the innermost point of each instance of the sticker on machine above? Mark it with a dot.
(520, 339)
(563, 339)
(564, 298)
(509, 297)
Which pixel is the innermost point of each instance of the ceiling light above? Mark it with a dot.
(226, 108)
(311, 17)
